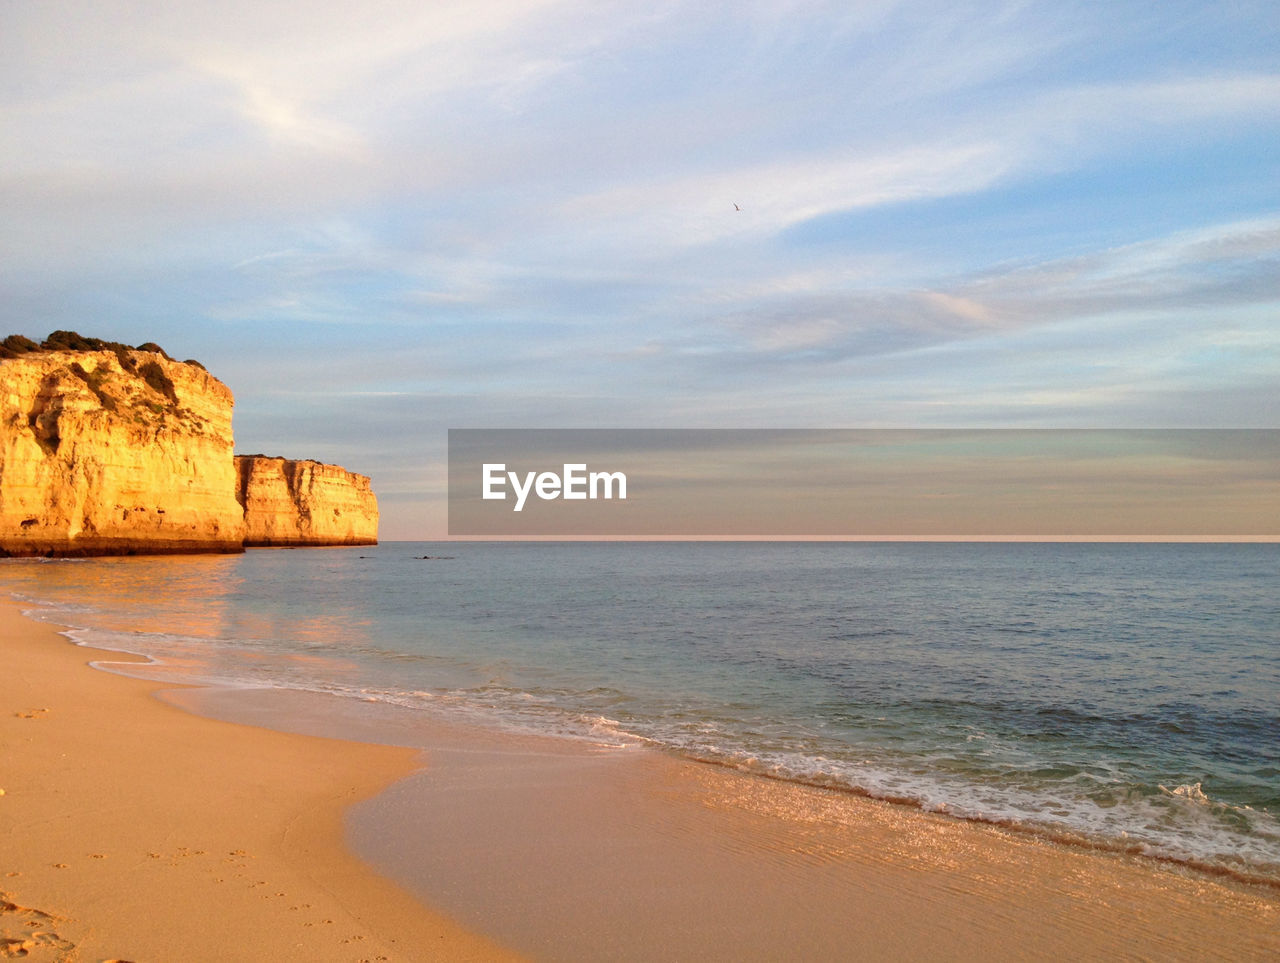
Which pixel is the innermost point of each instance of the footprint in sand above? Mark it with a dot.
(40, 938)
(15, 948)
(31, 714)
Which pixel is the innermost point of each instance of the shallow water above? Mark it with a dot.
(1127, 695)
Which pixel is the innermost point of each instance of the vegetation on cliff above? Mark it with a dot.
(117, 389)
(16, 345)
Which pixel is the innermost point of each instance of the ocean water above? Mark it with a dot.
(1112, 695)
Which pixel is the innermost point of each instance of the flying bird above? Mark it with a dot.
(736, 207)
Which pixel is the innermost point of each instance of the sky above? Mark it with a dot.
(376, 222)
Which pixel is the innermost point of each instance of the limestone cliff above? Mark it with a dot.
(304, 503)
(115, 451)
(107, 449)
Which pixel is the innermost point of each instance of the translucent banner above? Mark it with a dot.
(865, 483)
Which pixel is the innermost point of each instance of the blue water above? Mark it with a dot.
(1120, 695)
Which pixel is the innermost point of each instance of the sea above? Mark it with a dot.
(1116, 696)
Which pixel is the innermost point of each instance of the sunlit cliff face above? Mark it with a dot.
(128, 451)
(304, 503)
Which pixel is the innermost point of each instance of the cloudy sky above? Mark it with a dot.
(378, 221)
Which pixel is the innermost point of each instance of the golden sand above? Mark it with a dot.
(132, 830)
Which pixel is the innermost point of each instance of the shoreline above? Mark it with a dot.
(135, 830)
(565, 852)
(646, 856)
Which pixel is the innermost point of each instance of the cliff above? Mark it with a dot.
(304, 503)
(115, 452)
(111, 450)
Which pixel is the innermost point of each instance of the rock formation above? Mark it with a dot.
(304, 503)
(123, 451)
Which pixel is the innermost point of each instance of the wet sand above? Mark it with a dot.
(569, 851)
(132, 829)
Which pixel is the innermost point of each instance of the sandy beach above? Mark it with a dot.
(575, 852)
(133, 829)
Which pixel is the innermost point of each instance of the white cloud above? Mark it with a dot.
(286, 119)
(700, 208)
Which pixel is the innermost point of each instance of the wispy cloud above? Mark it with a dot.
(766, 199)
(1226, 267)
